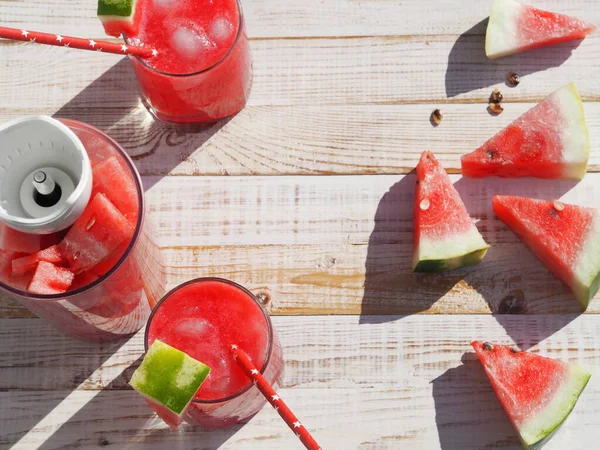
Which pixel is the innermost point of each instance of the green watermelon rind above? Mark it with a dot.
(109, 10)
(586, 279)
(458, 251)
(576, 141)
(503, 15)
(534, 434)
(169, 377)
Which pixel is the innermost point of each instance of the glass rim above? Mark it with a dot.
(136, 233)
(206, 69)
(269, 349)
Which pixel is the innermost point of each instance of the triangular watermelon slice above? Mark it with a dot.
(566, 238)
(119, 16)
(537, 393)
(548, 141)
(445, 238)
(514, 27)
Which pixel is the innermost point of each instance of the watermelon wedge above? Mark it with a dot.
(514, 27)
(21, 266)
(548, 141)
(49, 279)
(168, 379)
(445, 238)
(566, 238)
(537, 393)
(118, 16)
(95, 234)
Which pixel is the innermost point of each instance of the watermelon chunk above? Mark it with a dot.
(6, 273)
(168, 379)
(21, 266)
(548, 141)
(118, 16)
(17, 241)
(445, 238)
(514, 27)
(49, 279)
(95, 234)
(111, 178)
(566, 238)
(537, 393)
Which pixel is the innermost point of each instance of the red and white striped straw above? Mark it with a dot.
(37, 37)
(263, 385)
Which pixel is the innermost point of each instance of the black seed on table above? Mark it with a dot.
(487, 346)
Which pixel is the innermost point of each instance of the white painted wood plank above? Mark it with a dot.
(307, 140)
(316, 72)
(390, 382)
(320, 352)
(276, 18)
(343, 244)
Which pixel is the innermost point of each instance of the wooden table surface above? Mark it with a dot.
(306, 198)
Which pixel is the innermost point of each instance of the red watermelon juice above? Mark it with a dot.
(203, 318)
(202, 71)
(99, 279)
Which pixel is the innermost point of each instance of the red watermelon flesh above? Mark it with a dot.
(50, 279)
(21, 266)
(445, 238)
(537, 393)
(566, 238)
(514, 27)
(17, 241)
(95, 234)
(6, 273)
(548, 141)
(111, 179)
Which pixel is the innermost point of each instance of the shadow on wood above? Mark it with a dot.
(157, 147)
(470, 69)
(118, 417)
(468, 414)
(390, 286)
(65, 365)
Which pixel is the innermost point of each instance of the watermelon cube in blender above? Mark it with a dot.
(74, 245)
(203, 318)
(201, 69)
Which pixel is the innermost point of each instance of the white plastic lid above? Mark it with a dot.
(45, 175)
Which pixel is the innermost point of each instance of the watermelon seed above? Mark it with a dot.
(90, 224)
(490, 153)
(559, 206)
(487, 346)
(513, 350)
(496, 96)
(436, 117)
(495, 108)
(513, 78)
(425, 204)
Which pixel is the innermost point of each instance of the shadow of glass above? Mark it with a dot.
(390, 285)
(468, 414)
(37, 377)
(470, 69)
(118, 417)
(157, 147)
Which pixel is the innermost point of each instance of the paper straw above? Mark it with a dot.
(58, 40)
(267, 390)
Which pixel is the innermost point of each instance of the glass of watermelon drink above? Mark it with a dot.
(203, 69)
(203, 318)
(99, 279)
